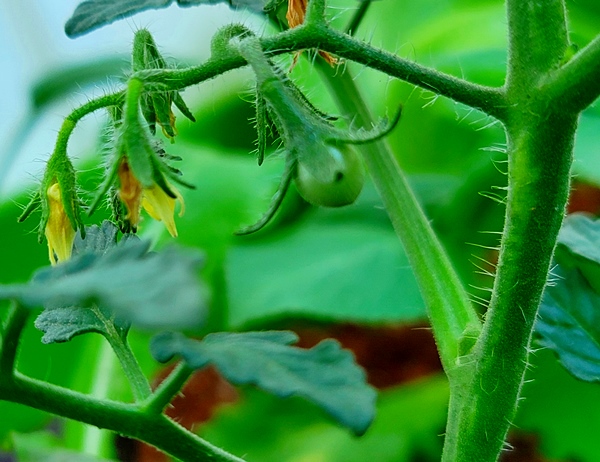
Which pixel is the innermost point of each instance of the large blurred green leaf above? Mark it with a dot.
(127, 280)
(587, 148)
(569, 323)
(580, 234)
(345, 271)
(325, 374)
(92, 14)
(408, 427)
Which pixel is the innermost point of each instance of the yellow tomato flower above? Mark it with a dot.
(154, 199)
(161, 206)
(59, 230)
(130, 192)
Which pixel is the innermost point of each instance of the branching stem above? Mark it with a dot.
(166, 391)
(125, 419)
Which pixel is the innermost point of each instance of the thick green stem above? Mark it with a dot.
(449, 308)
(131, 368)
(576, 85)
(540, 136)
(9, 337)
(125, 419)
(117, 338)
(489, 100)
(483, 406)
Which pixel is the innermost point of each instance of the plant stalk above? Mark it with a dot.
(447, 302)
(540, 134)
(125, 419)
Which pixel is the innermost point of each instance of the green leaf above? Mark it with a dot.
(325, 374)
(126, 280)
(569, 323)
(579, 246)
(61, 324)
(95, 13)
(92, 14)
(98, 239)
(410, 419)
(342, 270)
(561, 411)
(580, 233)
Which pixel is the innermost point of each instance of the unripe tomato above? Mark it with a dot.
(332, 175)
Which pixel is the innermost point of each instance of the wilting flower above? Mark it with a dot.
(130, 192)
(154, 199)
(161, 206)
(295, 15)
(59, 230)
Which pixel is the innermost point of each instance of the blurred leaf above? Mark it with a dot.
(44, 447)
(587, 150)
(337, 271)
(579, 246)
(325, 374)
(408, 427)
(125, 279)
(580, 234)
(563, 412)
(92, 14)
(569, 323)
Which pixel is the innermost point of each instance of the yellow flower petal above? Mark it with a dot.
(161, 206)
(59, 230)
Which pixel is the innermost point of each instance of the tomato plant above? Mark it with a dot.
(367, 225)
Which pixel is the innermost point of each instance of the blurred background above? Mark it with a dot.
(322, 272)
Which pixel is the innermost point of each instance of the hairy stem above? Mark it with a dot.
(487, 99)
(540, 136)
(125, 419)
(136, 378)
(166, 391)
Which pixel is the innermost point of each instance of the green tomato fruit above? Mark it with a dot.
(330, 176)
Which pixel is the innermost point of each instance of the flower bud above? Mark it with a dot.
(59, 230)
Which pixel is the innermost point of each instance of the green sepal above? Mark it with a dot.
(303, 99)
(156, 105)
(162, 168)
(59, 169)
(34, 203)
(161, 102)
(381, 130)
(180, 104)
(286, 179)
(262, 121)
(147, 107)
